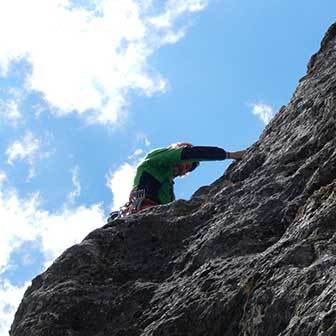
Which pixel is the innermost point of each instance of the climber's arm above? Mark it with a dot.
(204, 153)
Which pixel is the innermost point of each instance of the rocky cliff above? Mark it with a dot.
(252, 254)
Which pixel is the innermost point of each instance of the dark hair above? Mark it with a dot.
(181, 145)
(194, 165)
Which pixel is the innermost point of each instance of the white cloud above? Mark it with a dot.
(136, 154)
(76, 186)
(174, 9)
(86, 60)
(28, 149)
(10, 111)
(23, 150)
(264, 112)
(23, 221)
(17, 224)
(61, 230)
(120, 182)
(13, 111)
(10, 298)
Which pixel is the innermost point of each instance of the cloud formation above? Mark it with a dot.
(76, 186)
(120, 183)
(264, 112)
(23, 150)
(24, 222)
(28, 149)
(87, 59)
(10, 112)
(120, 180)
(10, 298)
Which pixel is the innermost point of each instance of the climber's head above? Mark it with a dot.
(181, 145)
(184, 168)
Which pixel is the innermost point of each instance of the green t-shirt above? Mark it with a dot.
(155, 173)
(159, 164)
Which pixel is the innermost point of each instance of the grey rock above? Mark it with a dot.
(252, 254)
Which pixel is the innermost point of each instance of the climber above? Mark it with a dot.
(154, 180)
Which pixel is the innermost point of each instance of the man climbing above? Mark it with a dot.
(154, 180)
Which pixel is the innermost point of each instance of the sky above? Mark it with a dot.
(88, 87)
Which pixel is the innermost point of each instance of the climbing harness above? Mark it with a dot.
(137, 202)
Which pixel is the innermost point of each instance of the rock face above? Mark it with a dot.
(252, 254)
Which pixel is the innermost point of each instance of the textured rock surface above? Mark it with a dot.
(252, 254)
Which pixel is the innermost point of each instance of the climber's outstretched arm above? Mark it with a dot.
(205, 153)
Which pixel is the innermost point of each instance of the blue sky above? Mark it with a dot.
(88, 87)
